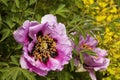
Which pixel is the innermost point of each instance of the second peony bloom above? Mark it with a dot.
(46, 45)
(91, 63)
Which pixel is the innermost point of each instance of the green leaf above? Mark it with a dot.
(64, 75)
(11, 73)
(116, 20)
(72, 64)
(89, 52)
(117, 2)
(5, 33)
(82, 31)
(18, 47)
(79, 3)
(81, 58)
(14, 73)
(15, 60)
(0, 18)
(17, 3)
(5, 2)
(29, 12)
(28, 75)
(75, 38)
(112, 25)
(61, 11)
(3, 64)
(75, 52)
(32, 2)
(10, 23)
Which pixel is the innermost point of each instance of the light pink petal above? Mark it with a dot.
(41, 65)
(20, 35)
(33, 68)
(38, 71)
(60, 29)
(53, 64)
(26, 24)
(23, 63)
(31, 44)
(92, 75)
(50, 19)
(35, 29)
(26, 63)
(100, 52)
(104, 66)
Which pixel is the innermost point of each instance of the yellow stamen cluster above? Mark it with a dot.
(45, 47)
(85, 46)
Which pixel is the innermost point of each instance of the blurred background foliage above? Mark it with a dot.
(99, 17)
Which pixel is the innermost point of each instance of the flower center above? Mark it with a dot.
(44, 48)
(85, 46)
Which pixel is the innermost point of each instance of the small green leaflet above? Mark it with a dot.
(5, 33)
(15, 72)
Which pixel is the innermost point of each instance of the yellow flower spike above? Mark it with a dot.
(108, 78)
(97, 8)
(116, 56)
(88, 2)
(91, 1)
(116, 36)
(113, 10)
(106, 0)
(111, 71)
(111, 2)
(93, 13)
(102, 4)
(107, 29)
(100, 18)
(104, 10)
(109, 18)
(117, 77)
(116, 16)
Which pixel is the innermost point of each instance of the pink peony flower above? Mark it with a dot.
(91, 63)
(46, 45)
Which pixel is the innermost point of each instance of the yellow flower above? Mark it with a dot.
(102, 4)
(113, 10)
(88, 2)
(100, 18)
(109, 18)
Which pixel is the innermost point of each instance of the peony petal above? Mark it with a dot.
(26, 24)
(53, 64)
(60, 29)
(20, 35)
(27, 64)
(92, 75)
(51, 19)
(100, 52)
(35, 29)
(104, 65)
(23, 62)
(41, 65)
(36, 70)
(33, 23)
(91, 41)
(31, 44)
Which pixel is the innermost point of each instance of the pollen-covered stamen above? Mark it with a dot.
(45, 47)
(85, 46)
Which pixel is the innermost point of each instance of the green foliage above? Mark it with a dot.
(16, 73)
(14, 12)
(61, 10)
